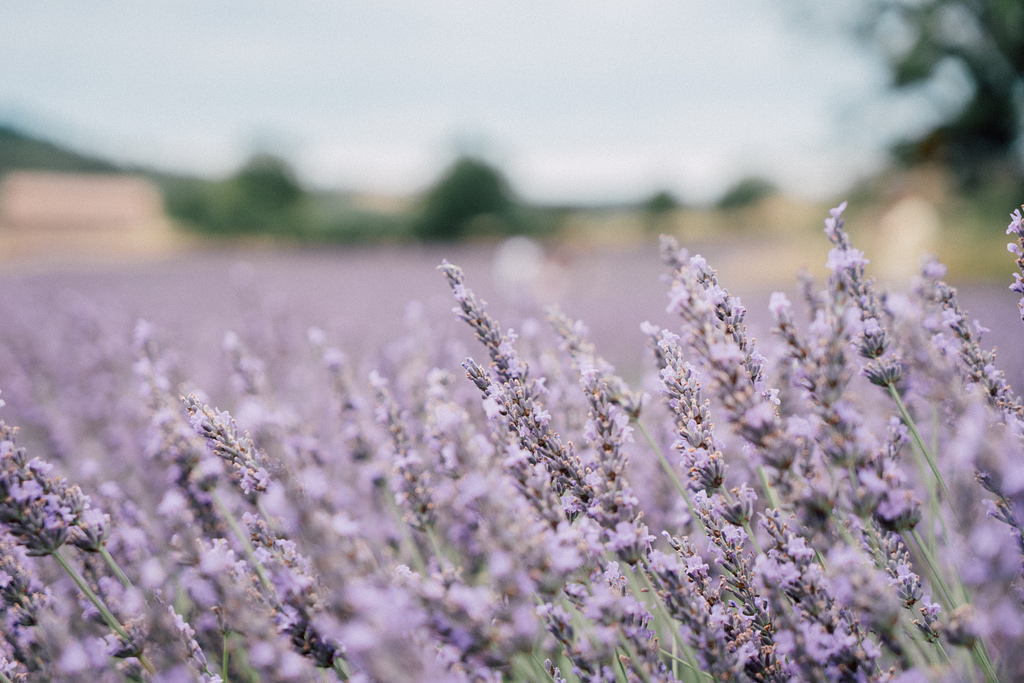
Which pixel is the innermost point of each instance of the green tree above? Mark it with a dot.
(267, 183)
(745, 192)
(660, 203)
(262, 196)
(469, 189)
(984, 40)
(657, 211)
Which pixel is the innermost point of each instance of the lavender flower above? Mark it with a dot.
(39, 511)
(43, 513)
(816, 637)
(517, 397)
(977, 365)
(1016, 227)
(607, 428)
(412, 479)
(381, 520)
(25, 599)
(238, 451)
(283, 572)
(727, 643)
(715, 329)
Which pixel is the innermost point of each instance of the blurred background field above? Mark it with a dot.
(59, 208)
(347, 151)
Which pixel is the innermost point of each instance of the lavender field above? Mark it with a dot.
(290, 465)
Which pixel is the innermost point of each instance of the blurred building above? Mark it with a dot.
(75, 216)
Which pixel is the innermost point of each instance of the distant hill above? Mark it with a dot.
(25, 152)
(22, 151)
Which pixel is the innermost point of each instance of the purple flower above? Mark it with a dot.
(834, 222)
(1016, 223)
(840, 259)
(779, 304)
(760, 416)
(1018, 284)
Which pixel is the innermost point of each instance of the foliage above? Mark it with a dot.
(843, 503)
(470, 194)
(657, 211)
(660, 203)
(746, 192)
(20, 151)
(267, 184)
(981, 40)
(263, 196)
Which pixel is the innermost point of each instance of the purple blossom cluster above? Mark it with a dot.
(843, 501)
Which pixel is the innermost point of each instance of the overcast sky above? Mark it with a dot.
(577, 101)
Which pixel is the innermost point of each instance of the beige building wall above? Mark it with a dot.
(72, 216)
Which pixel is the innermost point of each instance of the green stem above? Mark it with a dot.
(630, 654)
(540, 668)
(659, 605)
(339, 668)
(945, 655)
(115, 567)
(528, 667)
(225, 654)
(979, 651)
(669, 470)
(933, 571)
(980, 654)
(665, 464)
(926, 656)
(925, 452)
(436, 547)
(107, 615)
(769, 490)
(415, 557)
(243, 538)
(677, 641)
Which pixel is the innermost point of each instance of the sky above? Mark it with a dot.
(593, 101)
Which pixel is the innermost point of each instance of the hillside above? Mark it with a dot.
(19, 150)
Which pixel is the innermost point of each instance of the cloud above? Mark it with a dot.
(606, 92)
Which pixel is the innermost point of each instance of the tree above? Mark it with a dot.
(266, 183)
(468, 190)
(745, 192)
(660, 203)
(657, 211)
(984, 40)
(262, 196)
